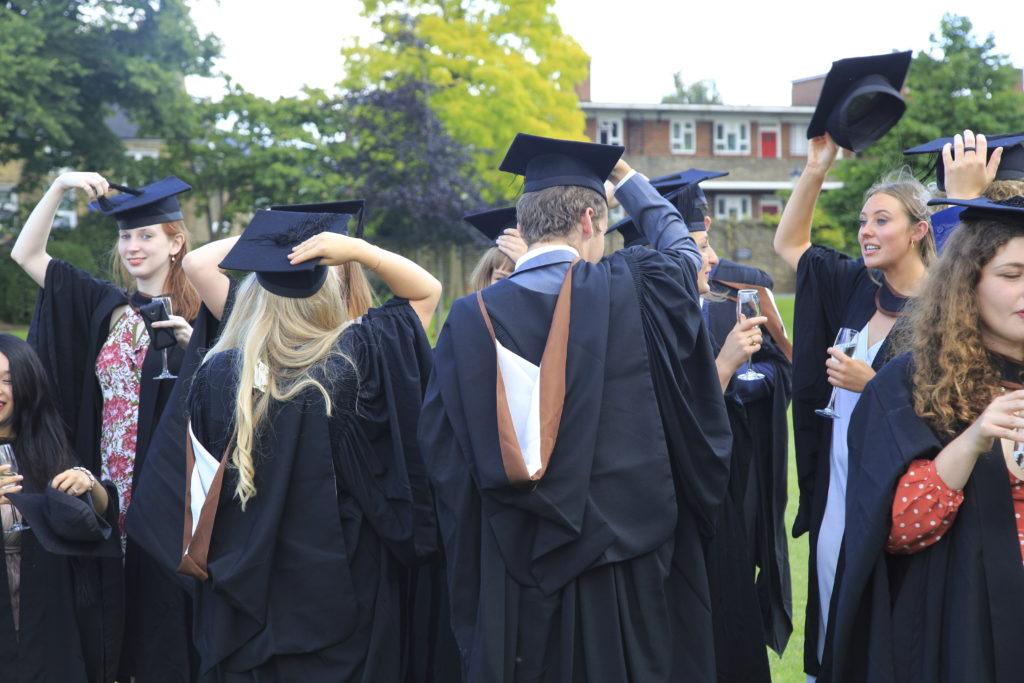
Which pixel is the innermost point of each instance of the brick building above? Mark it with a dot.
(763, 148)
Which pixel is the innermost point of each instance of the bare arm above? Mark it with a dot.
(793, 236)
(29, 250)
(405, 278)
(202, 268)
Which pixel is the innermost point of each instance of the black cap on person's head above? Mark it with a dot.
(150, 204)
(1009, 210)
(550, 162)
(352, 207)
(492, 222)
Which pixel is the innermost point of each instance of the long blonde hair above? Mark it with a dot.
(291, 337)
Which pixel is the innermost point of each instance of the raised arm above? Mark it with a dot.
(29, 250)
(201, 266)
(793, 236)
(405, 278)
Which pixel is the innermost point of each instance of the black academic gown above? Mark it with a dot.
(61, 636)
(750, 540)
(597, 573)
(310, 581)
(832, 291)
(952, 612)
(69, 327)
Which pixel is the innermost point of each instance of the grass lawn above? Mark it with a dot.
(20, 332)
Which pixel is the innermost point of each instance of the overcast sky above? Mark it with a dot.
(751, 49)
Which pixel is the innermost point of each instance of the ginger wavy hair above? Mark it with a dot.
(955, 377)
(184, 297)
(294, 338)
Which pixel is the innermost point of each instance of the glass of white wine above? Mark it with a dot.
(846, 341)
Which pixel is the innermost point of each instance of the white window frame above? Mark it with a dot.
(798, 139)
(720, 135)
(616, 130)
(772, 200)
(770, 128)
(677, 144)
(725, 204)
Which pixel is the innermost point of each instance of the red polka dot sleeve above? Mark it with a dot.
(922, 509)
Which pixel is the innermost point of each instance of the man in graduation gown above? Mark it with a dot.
(577, 439)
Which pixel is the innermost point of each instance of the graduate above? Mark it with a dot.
(750, 538)
(577, 439)
(96, 348)
(860, 101)
(933, 588)
(498, 262)
(300, 561)
(52, 623)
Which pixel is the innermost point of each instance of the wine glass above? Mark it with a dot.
(7, 458)
(748, 304)
(165, 301)
(846, 341)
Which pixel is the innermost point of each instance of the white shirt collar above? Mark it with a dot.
(544, 250)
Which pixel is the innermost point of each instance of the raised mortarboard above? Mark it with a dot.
(692, 205)
(1011, 209)
(353, 207)
(493, 222)
(265, 244)
(1011, 166)
(148, 205)
(67, 525)
(674, 181)
(549, 162)
(860, 99)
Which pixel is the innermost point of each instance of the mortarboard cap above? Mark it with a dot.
(265, 244)
(674, 181)
(548, 162)
(67, 525)
(631, 235)
(148, 205)
(1011, 209)
(493, 222)
(1011, 166)
(860, 99)
(352, 207)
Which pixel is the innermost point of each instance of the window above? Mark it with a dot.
(771, 205)
(609, 131)
(682, 136)
(797, 140)
(732, 138)
(732, 207)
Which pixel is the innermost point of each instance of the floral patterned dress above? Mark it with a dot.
(119, 371)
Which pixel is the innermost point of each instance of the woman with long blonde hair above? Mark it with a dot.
(933, 588)
(834, 291)
(304, 417)
(96, 347)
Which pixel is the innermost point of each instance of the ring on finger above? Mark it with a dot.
(969, 149)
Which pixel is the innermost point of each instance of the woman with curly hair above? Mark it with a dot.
(835, 291)
(933, 588)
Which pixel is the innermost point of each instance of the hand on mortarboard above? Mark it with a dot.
(821, 152)
(330, 249)
(968, 168)
(93, 184)
(511, 244)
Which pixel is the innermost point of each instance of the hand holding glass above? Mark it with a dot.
(166, 301)
(7, 458)
(846, 341)
(748, 305)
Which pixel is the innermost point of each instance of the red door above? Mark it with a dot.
(769, 149)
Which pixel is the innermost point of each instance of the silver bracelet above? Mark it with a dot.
(86, 472)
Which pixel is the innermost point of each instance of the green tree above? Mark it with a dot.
(699, 92)
(495, 68)
(65, 64)
(961, 82)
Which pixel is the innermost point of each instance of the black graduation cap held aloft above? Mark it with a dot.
(549, 162)
(673, 181)
(860, 99)
(1011, 166)
(266, 242)
(150, 204)
(1009, 210)
(492, 222)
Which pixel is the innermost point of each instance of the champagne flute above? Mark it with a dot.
(846, 341)
(748, 304)
(7, 458)
(166, 302)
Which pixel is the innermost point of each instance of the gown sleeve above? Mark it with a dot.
(685, 380)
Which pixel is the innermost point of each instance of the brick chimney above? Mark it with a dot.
(806, 91)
